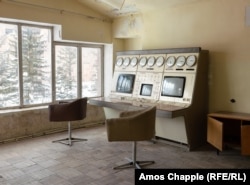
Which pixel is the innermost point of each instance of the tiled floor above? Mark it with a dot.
(38, 161)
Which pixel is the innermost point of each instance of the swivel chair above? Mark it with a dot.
(132, 126)
(68, 111)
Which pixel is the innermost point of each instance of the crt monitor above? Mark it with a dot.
(146, 89)
(125, 83)
(173, 86)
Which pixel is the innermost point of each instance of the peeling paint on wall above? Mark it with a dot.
(128, 27)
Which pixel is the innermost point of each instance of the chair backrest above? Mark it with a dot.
(68, 111)
(132, 125)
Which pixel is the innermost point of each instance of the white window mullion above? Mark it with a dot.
(20, 64)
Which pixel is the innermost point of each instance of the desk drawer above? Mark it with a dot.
(245, 139)
(215, 133)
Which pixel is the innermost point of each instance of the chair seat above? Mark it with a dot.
(134, 126)
(68, 112)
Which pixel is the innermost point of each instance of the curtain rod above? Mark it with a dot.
(60, 10)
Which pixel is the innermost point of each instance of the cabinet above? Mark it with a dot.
(229, 129)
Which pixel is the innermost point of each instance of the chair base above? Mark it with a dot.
(134, 164)
(69, 141)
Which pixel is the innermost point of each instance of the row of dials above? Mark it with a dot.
(151, 61)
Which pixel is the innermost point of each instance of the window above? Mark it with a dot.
(9, 79)
(66, 72)
(36, 65)
(91, 71)
(77, 76)
(31, 74)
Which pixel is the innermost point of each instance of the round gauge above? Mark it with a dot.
(159, 61)
(119, 62)
(133, 61)
(191, 60)
(151, 61)
(126, 61)
(170, 61)
(180, 61)
(143, 61)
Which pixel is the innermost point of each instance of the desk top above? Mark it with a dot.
(162, 111)
(231, 115)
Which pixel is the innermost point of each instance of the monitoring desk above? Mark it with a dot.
(173, 123)
(174, 80)
(229, 129)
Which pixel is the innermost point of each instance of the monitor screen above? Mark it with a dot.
(173, 86)
(146, 89)
(125, 83)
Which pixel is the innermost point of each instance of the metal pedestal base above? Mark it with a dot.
(69, 141)
(132, 162)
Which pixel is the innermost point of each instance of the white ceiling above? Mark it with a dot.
(116, 8)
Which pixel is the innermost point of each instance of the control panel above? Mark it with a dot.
(147, 85)
(164, 78)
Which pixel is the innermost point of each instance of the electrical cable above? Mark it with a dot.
(59, 10)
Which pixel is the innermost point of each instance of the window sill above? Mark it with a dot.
(22, 109)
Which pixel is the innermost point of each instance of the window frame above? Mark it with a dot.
(51, 28)
(78, 44)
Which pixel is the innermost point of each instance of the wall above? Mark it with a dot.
(75, 26)
(215, 25)
(27, 123)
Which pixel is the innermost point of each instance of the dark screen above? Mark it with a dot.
(125, 83)
(173, 86)
(146, 89)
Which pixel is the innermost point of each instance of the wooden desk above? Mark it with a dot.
(229, 129)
